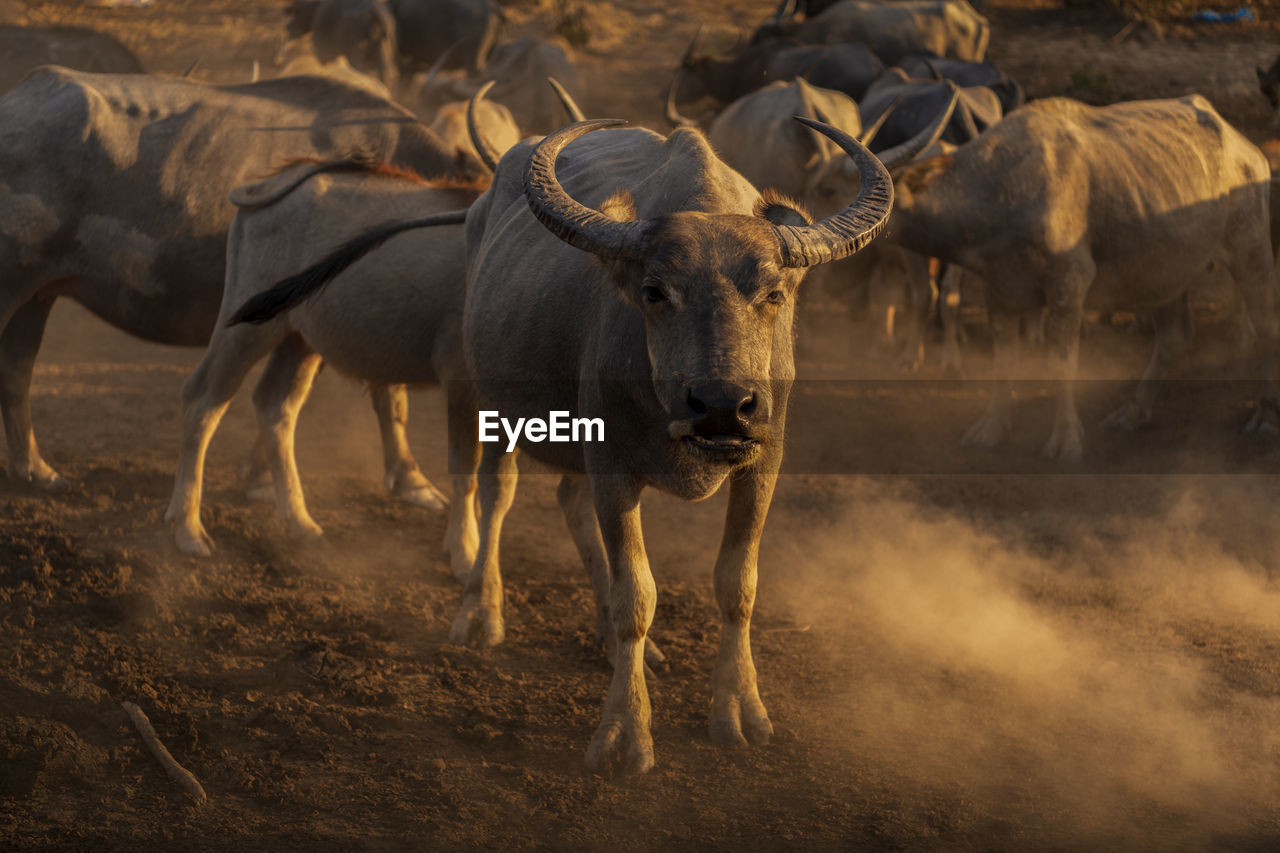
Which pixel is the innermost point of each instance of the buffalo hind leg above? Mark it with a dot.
(1255, 275)
(1062, 339)
(994, 425)
(205, 396)
(1173, 333)
(479, 620)
(461, 539)
(574, 495)
(622, 741)
(404, 479)
(19, 344)
(279, 396)
(738, 717)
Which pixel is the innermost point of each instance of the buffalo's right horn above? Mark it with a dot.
(573, 222)
(488, 155)
(845, 233)
(673, 112)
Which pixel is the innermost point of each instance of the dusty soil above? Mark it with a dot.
(995, 654)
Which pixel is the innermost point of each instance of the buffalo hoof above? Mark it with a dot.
(990, 431)
(477, 625)
(413, 488)
(260, 492)
(621, 746)
(1127, 418)
(305, 530)
(1265, 420)
(1066, 444)
(193, 542)
(740, 722)
(41, 476)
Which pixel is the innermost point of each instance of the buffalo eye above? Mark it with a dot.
(652, 293)
(776, 297)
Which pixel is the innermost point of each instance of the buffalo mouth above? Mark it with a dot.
(723, 447)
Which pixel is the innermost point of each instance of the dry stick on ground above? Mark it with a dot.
(176, 771)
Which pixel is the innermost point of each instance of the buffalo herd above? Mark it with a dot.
(382, 207)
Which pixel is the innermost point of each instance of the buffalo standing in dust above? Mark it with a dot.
(893, 30)
(1123, 207)
(667, 311)
(113, 192)
(382, 321)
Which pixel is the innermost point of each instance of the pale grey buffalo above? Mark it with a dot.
(1125, 207)
(893, 30)
(495, 123)
(113, 192)
(25, 48)
(642, 282)
(384, 321)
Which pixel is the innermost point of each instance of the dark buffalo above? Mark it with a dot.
(964, 73)
(918, 104)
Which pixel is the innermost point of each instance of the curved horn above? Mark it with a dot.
(488, 155)
(673, 112)
(575, 223)
(785, 9)
(970, 126)
(566, 100)
(257, 72)
(192, 66)
(900, 155)
(846, 232)
(869, 133)
(688, 51)
(439, 63)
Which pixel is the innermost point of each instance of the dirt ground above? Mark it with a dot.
(984, 652)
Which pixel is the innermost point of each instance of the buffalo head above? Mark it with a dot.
(716, 291)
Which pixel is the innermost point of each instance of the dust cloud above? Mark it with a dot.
(1106, 697)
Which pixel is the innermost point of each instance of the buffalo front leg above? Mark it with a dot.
(622, 741)
(19, 345)
(738, 716)
(461, 539)
(404, 479)
(574, 495)
(1173, 333)
(479, 620)
(278, 397)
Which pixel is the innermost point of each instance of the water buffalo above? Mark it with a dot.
(25, 48)
(1123, 207)
(642, 282)
(924, 66)
(517, 70)
(113, 192)
(915, 103)
(396, 38)
(893, 30)
(495, 124)
(848, 68)
(461, 31)
(382, 321)
(363, 31)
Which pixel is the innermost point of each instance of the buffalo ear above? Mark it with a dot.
(782, 210)
(619, 206)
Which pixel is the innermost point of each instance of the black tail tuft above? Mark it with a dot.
(298, 288)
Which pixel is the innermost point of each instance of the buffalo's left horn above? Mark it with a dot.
(578, 225)
(488, 155)
(848, 231)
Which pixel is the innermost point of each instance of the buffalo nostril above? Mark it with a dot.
(695, 405)
(747, 407)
